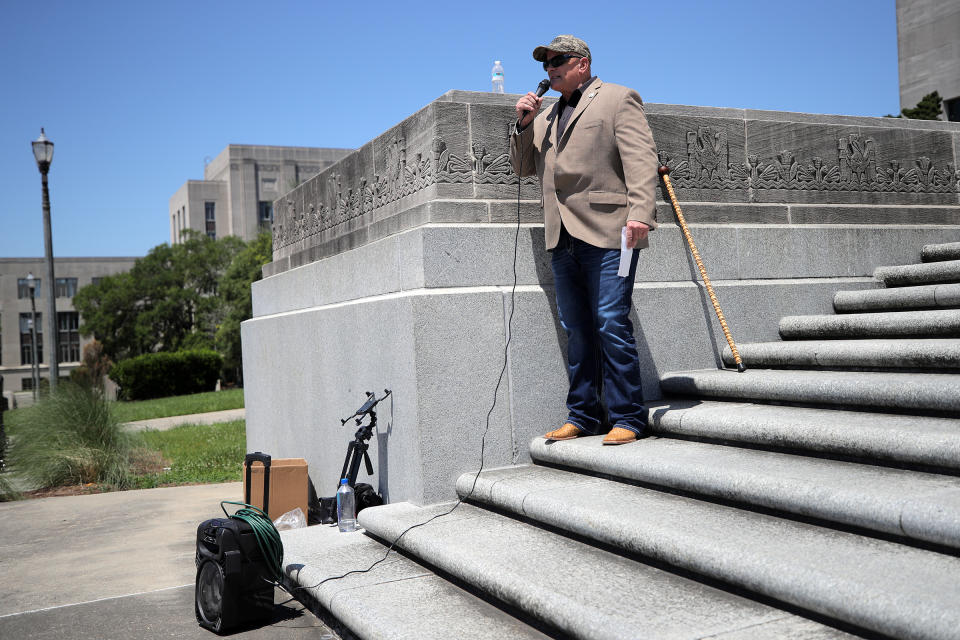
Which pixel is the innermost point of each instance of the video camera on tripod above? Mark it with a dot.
(357, 452)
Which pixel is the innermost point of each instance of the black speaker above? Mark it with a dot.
(233, 581)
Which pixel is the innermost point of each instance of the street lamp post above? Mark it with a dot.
(43, 152)
(35, 369)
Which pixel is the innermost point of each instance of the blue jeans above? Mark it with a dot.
(594, 305)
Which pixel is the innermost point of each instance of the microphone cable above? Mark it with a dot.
(496, 390)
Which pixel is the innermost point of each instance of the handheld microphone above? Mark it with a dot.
(541, 89)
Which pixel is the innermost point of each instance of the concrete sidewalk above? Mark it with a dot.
(162, 424)
(115, 565)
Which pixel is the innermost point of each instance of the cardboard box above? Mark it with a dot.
(288, 485)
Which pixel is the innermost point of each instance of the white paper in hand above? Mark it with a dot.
(625, 255)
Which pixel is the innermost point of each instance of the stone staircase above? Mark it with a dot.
(815, 495)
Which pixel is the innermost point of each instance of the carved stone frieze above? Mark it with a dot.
(402, 176)
(857, 167)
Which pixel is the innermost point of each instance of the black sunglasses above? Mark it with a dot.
(556, 61)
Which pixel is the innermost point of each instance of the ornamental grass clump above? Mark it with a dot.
(70, 438)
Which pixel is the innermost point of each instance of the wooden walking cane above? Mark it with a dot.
(665, 174)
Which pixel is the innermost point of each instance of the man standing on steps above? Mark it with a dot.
(597, 164)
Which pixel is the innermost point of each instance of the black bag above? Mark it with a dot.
(324, 510)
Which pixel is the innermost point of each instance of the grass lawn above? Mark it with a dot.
(193, 453)
(178, 405)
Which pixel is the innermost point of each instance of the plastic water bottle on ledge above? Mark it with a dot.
(346, 507)
(497, 77)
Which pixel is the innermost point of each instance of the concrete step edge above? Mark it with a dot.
(889, 588)
(908, 504)
(930, 296)
(937, 252)
(929, 392)
(931, 323)
(924, 273)
(398, 598)
(911, 440)
(572, 586)
(903, 353)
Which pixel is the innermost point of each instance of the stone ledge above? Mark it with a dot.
(927, 273)
(932, 392)
(912, 440)
(932, 296)
(936, 252)
(874, 498)
(922, 324)
(940, 354)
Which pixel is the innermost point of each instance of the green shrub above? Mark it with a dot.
(71, 437)
(158, 375)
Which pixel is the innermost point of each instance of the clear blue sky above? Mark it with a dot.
(136, 94)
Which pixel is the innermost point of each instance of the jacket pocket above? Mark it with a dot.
(607, 197)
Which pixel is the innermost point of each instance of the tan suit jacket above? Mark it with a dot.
(601, 173)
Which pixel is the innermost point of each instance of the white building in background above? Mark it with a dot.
(235, 197)
(928, 47)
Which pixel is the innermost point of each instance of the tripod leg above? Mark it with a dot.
(347, 462)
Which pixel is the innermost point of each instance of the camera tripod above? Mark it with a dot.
(357, 449)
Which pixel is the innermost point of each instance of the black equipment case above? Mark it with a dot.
(233, 587)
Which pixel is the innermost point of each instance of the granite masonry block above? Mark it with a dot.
(874, 214)
(723, 213)
(299, 388)
(795, 252)
(530, 211)
(459, 346)
(493, 175)
(880, 246)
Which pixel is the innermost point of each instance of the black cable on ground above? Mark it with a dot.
(483, 439)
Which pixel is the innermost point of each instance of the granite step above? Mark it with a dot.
(937, 252)
(399, 598)
(927, 392)
(908, 504)
(592, 594)
(931, 296)
(917, 441)
(890, 588)
(904, 324)
(908, 353)
(926, 273)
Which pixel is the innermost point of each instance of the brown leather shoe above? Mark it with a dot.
(566, 432)
(619, 435)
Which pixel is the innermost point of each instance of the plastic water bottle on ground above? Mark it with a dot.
(497, 77)
(346, 507)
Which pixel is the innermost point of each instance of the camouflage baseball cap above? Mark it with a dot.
(563, 44)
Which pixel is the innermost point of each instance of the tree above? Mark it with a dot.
(929, 108)
(235, 293)
(168, 301)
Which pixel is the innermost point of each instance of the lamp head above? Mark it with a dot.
(43, 152)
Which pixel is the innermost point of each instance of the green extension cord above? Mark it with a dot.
(268, 538)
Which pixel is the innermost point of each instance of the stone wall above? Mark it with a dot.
(394, 268)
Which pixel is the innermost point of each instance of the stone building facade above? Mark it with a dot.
(16, 356)
(239, 186)
(928, 45)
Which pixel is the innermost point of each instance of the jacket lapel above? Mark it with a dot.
(585, 100)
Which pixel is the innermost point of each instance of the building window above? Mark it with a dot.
(26, 339)
(66, 287)
(26, 384)
(23, 288)
(265, 215)
(209, 214)
(68, 336)
(952, 109)
(96, 281)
